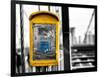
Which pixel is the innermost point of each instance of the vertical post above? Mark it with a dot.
(79, 39)
(72, 35)
(13, 37)
(65, 26)
(22, 38)
(48, 8)
(39, 7)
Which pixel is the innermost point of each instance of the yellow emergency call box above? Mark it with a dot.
(44, 39)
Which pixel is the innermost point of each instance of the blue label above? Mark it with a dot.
(44, 46)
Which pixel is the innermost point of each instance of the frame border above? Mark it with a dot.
(13, 36)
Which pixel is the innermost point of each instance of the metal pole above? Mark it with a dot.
(90, 21)
(65, 23)
(89, 25)
(39, 7)
(22, 39)
(48, 8)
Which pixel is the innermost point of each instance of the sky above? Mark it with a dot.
(79, 18)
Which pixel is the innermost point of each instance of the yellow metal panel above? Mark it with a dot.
(43, 19)
(42, 13)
